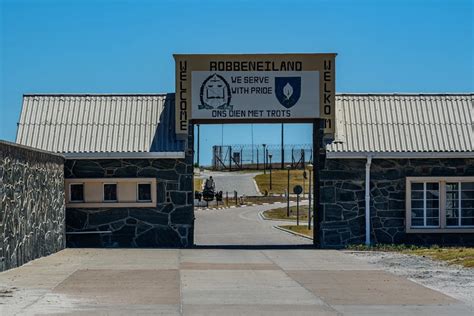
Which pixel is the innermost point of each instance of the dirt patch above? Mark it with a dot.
(453, 280)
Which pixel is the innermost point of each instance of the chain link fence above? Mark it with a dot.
(246, 156)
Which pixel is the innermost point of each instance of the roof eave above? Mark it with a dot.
(126, 155)
(398, 155)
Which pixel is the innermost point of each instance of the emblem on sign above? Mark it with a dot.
(288, 90)
(215, 94)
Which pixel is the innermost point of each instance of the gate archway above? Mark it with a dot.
(259, 88)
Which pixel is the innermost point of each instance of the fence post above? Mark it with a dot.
(230, 158)
(303, 157)
(292, 156)
(297, 210)
(257, 160)
(241, 159)
(236, 199)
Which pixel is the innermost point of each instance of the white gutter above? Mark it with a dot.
(126, 155)
(367, 200)
(399, 155)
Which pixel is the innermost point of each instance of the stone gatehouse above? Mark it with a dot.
(406, 161)
(343, 200)
(400, 169)
(128, 179)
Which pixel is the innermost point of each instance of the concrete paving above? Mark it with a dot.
(213, 282)
(217, 280)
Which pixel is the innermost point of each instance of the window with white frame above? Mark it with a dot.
(443, 203)
(459, 204)
(425, 204)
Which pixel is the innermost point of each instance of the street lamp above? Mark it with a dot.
(288, 167)
(310, 168)
(264, 158)
(270, 157)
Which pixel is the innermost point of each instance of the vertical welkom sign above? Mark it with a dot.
(255, 88)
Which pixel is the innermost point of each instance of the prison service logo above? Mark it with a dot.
(215, 93)
(288, 90)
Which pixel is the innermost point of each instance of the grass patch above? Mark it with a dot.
(266, 199)
(280, 180)
(452, 255)
(302, 229)
(280, 213)
(462, 256)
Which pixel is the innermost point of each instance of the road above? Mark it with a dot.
(241, 182)
(242, 226)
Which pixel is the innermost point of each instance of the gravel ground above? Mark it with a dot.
(453, 280)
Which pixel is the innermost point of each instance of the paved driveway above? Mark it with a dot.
(216, 281)
(242, 226)
(243, 183)
(213, 282)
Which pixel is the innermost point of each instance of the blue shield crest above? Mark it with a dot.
(288, 90)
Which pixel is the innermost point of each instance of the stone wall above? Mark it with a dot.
(32, 206)
(169, 224)
(343, 200)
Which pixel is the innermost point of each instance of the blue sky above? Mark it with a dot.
(127, 46)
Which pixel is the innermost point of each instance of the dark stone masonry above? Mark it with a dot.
(343, 200)
(32, 206)
(169, 224)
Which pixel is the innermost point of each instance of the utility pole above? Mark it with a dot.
(198, 141)
(282, 148)
(310, 168)
(318, 214)
(251, 134)
(288, 192)
(222, 135)
(270, 156)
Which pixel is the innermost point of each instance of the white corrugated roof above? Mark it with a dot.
(98, 123)
(365, 123)
(403, 123)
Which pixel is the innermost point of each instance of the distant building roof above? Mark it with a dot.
(403, 123)
(99, 123)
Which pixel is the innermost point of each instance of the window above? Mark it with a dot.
(425, 204)
(76, 192)
(144, 192)
(459, 204)
(110, 192)
(440, 203)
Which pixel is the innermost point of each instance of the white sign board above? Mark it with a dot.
(245, 88)
(255, 95)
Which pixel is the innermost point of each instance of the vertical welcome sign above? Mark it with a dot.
(255, 88)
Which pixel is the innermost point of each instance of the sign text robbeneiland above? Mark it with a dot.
(249, 88)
